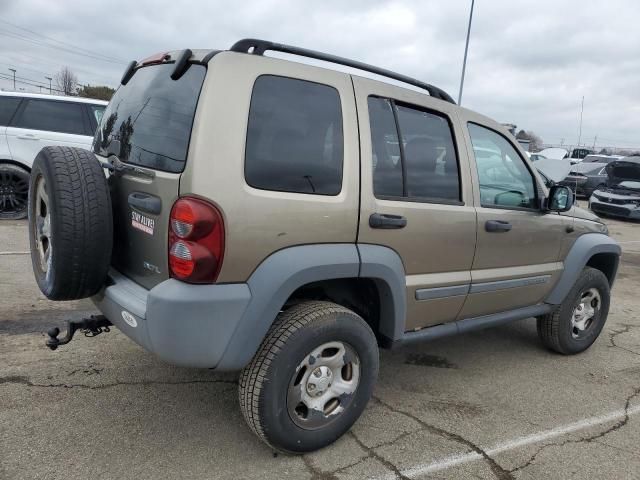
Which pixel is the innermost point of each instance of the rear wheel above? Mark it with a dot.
(311, 378)
(14, 190)
(70, 223)
(578, 321)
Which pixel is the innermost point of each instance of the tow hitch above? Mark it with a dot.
(92, 326)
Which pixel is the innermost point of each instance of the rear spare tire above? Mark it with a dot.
(70, 223)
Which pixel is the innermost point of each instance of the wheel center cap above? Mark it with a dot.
(319, 381)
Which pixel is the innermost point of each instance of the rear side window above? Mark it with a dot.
(294, 137)
(414, 158)
(51, 116)
(8, 106)
(148, 121)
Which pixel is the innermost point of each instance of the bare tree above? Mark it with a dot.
(536, 141)
(66, 81)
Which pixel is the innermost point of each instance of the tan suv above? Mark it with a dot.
(286, 220)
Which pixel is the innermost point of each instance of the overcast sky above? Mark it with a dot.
(529, 62)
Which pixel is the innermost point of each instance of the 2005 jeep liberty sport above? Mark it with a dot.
(286, 220)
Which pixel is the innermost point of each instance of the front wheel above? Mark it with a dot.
(578, 321)
(311, 378)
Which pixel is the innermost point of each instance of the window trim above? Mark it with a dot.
(536, 189)
(405, 198)
(25, 102)
(246, 137)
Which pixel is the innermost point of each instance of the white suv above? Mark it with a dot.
(28, 122)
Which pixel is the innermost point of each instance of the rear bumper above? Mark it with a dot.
(187, 325)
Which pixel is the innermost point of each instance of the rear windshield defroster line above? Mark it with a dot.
(148, 121)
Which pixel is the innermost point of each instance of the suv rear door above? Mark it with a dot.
(413, 168)
(517, 255)
(146, 129)
(42, 122)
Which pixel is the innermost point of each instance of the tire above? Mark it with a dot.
(556, 329)
(14, 189)
(70, 223)
(274, 377)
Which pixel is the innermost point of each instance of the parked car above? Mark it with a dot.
(553, 171)
(589, 175)
(578, 154)
(621, 195)
(534, 157)
(28, 122)
(555, 153)
(287, 221)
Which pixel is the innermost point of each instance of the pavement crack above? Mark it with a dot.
(614, 333)
(315, 473)
(588, 439)
(371, 453)
(498, 471)
(21, 380)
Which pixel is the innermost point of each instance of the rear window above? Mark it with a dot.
(148, 121)
(294, 138)
(52, 116)
(8, 107)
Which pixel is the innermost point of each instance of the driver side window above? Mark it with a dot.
(505, 180)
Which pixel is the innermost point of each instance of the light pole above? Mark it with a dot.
(49, 78)
(14, 78)
(466, 50)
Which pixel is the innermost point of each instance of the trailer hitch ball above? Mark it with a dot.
(92, 326)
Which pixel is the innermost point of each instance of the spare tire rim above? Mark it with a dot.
(14, 191)
(585, 312)
(323, 385)
(42, 229)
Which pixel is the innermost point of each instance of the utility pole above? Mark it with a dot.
(49, 78)
(580, 128)
(466, 50)
(14, 78)
(594, 142)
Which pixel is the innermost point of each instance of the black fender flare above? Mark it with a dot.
(583, 249)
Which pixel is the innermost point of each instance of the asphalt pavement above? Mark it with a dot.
(491, 404)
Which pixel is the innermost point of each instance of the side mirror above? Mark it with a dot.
(560, 199)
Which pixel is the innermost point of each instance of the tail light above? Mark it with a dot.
(196, 241)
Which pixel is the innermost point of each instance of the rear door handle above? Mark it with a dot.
(497, 226)
(145, 202)
(387, 221)
(28, 136)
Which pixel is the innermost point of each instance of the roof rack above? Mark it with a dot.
(258, 47)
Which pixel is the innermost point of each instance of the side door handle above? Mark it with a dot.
(497, 226)
(387, 221)
(28, 136)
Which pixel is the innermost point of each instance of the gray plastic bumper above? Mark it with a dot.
(187, 325)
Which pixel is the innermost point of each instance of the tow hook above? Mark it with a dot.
(92, 326)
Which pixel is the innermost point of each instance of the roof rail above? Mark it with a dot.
(258, 47)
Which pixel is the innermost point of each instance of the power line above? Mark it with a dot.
(32, 83)
(108, 57)
(55, 47)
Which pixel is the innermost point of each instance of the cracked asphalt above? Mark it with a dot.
(491, 404)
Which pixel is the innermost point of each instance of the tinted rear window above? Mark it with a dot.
(52, 116)
(148, 121)
(8, 107)
(294, 139)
